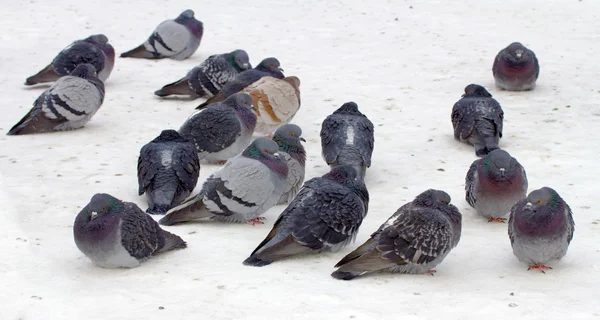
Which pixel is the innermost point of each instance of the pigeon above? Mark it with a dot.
(324, 216)
(168, 169)
(288, 139)
(209, 77)
(118, 234)
(246, 187)
(494, 184)
(276, 102)
(541, 228)
(68, 104)
(477, 119)
(516, 68)
(94, 50)
(222, 130)
(414, 240)
(176, 39)
(347, 137)
(267, 67)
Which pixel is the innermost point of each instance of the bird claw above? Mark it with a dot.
(540, 267)
(501, 220)
(257, 220)
(430, 272)
(222, 162)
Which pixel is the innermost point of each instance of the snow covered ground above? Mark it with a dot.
(404, 62)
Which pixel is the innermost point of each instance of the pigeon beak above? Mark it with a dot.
(276, 155)
(280, 69)
(94, 215)
(528, 206)
(302, 139)
(519, 53)
(246, 65)
(253, 107)
(502, 172)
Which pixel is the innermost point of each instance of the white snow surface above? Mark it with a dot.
(404, 62)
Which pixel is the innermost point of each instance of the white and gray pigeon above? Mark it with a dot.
(347, 137)
(325, 215)
(477, 119)
(205, 80)
(68, 104)
(117, 234)
(415, 239)
(222, 130)
(246, 187)
(168, 169)
(288, 138)
(516, 68)
(541, 228)
(494, 184)
(94, 50)
(177, 39)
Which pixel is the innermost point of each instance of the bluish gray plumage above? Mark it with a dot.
(168, 169)
(415, 239)
(246, 187)
(347, 137)
(324, 216)
(477, 119)
(68, 104)
(516, 68)
(541, 228)
(117, 234)
(288, 139)
(222, 130)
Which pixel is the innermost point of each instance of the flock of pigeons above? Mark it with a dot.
(323, 213)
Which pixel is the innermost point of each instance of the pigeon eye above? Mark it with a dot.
(272, 65)
(442, 201)
(292, 134)
(267, 151)
(539, 201)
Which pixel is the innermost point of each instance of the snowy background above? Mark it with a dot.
(404, 62)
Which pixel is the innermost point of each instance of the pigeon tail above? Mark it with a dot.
(179, 87)
(341, 275)
(139, 52)
(45, 75)
(172, 241)
(158, 209)
(193, 209)
(256, 262)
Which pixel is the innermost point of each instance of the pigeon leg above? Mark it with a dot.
(222, 162)
(501, 220)
(540, 267)
(430, 272)
(257, 220)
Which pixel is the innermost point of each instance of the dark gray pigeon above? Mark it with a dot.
(209, 77)
(223, 130)
(414, 240)
(177, 39)
(288, 139)
(168, 169)
(246, 187)
(477, 119)
(117, 234)
(494, 184)
(324, 216)
(94, 50)
(541, 228)
(347, 137)
(516, 68)
(268, 67)
(68, 104)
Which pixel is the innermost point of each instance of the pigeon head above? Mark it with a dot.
(440, 200)
(348, 108)
(186, 15)
(346, 175)
(85, 71)
(97, 38)
(541, 199)
(270, 65)
(187, 19)
(293, 80)
(102, 207)
(239, 60)
(288, 139)
(242, 103)
(102, 42)
(265, 150)
(169, 135)
(475, 90)
(541, 213)
(516, 53)
(499, 167)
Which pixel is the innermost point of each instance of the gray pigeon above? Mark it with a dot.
(268, 67)
(223, 130)
(324, 216)
(494, 184)
(414, 240)
(477, 119)
(94, 50)
(541, 228)
(347, 137)
(246, 187)
(117, 234)
(209, 77)
(176, 39)
(516, 68)
(68, 104)
(288, 139)
(168, 169)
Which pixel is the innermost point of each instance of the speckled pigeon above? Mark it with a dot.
(222, 130)
(267, 67)
(94, 50)
(68, 104)
(246, 187)
(209, 77)
(177, 39)
(414, 240)
(541, 228)
(288, 139)
(117, 234)
(477, 119)
(347, 137)
(324, 216)
(516, 68)
(168, 169)
(494, 184)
